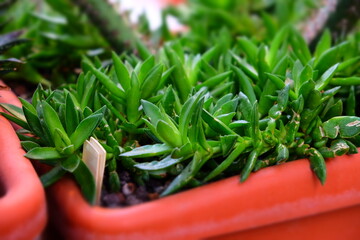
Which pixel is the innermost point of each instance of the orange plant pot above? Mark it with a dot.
(22, 198)
(280, 202)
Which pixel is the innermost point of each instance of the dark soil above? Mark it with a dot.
(20, 88)
(132, 193)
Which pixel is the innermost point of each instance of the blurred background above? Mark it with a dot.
(52, 36)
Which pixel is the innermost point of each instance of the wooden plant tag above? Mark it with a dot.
(94, 156)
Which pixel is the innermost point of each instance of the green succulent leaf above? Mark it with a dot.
(86, 182)
(122, 73)
(158, 165)
(326, 77)
(28, 145)
(16, 120)
(169, 134)
(43, 153)
(343, 126)
(84, 130)
(52, 176)
(14, 110)
(148, 151)
(70, 163)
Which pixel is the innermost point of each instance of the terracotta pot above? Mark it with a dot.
(280, 202)
(22, 198)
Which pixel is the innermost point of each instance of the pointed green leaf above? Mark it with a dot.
(151, 81)
(215, 124)
(152, 112)
(249, 48)
(214, 81)
(43, 153)
(71, 115)
(122, 73)
(317, 164)
(158, 165)
(323, 44)
(133, 97)
(227, 143)
(344, 126)
(107, 82)
(245, 84)
(52, 176)
(326, 77)
(84, 130)
(145, 68)
(148, 151)
(71, 163)
(86, 182)
(169, 134)
(15, 120)
(14, 110)
(51, 118)
(28, 145)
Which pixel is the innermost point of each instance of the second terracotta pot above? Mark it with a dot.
(22, 198)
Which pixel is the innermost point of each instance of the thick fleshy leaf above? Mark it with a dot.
(246, 85)
(43, 153)
(215, 124)
(86, 181)
(323, 44)
(148, 151)
(51, 118)
(14, 110)
(199, 159)
(133, 96)
(151, 81)
(70, 163)
(227, 143)
(144, 69)
(158, 165)
(326, 77)
(152, 112)
(84, 130)
(169, 134)
(122, 73)
(186, 113)
(107, 82)
(71, 115)
(317, 164)
(34, 123)
(214, 81)
(16, 120)
(28, 145)
(249, 48)
(344, 126)
(52, 176)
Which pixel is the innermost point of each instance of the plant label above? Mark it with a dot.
(94, 156)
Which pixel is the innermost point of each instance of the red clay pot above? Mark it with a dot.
(22, 197)
(280, 202)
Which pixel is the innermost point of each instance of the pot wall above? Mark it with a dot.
(22, 198)
(333, 225)
(280, 201)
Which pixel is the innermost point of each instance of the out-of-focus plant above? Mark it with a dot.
(61, 33)
(7, 41)
(261, 19)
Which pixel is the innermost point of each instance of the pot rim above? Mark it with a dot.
(272, 195)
